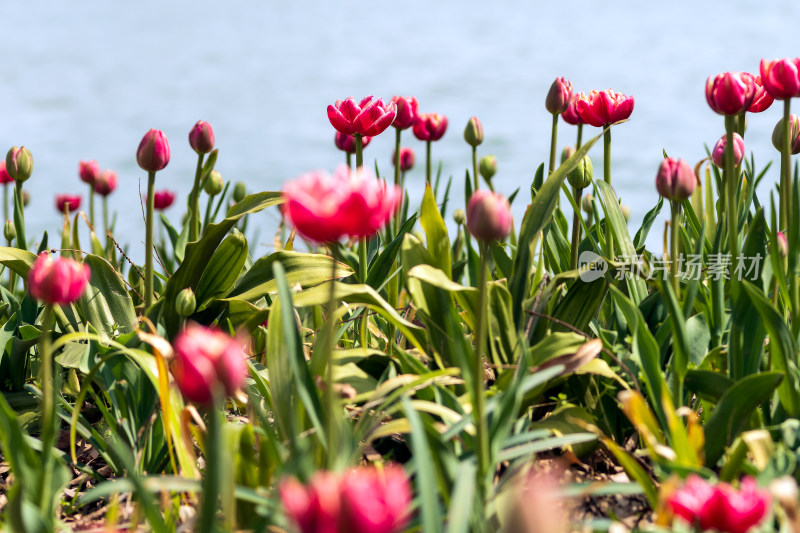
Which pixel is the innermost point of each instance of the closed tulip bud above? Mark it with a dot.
(9, 231)
(88, 171)
(67, 202)
(459, 217)
(587, 204)
(407, 159)
(347, 143)
(718, 153)
(488, 216)
(473, 133)
(558, 96)
(581, 176)
(57, 280)
(106, 183)
(163, 199)
(214, 184)
(626, 212)
(794, 135)
(153, 152)
(239, 191)
(488, 167)
(19, 163)
(566, 153)
(185, 303)
(201, 137)
(783, 246)
(675, 180)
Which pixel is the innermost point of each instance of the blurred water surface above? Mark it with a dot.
(85, 80)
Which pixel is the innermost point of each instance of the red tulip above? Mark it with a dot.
(163, 199)
(603, 108)
(201, 137)
(781, 77)
(347, 143)
(106, 183)
(730, 93)
(5, 177)
(314, 508)
(205, 358)
(558, 97)
(153, 152)
(761, 99)
(406, 111)
(720, 506)
(430, 126)
(407, 159)
(570, 115)
(69, 201)
(57, 280)
(675, 179)
(88, 171)
(369, 117)
(718, 153)
(488, 216)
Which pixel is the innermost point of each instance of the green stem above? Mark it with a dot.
(91, 204)
(475, 168)
(576, 229)
(607, 178)
(359, 151)
(397, 176)
(553, 141)
(330, 395)
(427, 161)
(148, 246)
(49, 422)
(478, 393)
(349, 161)
(731, 181)
(579, 143)
(19, 221)
(362, 259)
(207, 218)
(673, 251)
(194, 217)
(786, 176)
(213, 475)
(5, 201)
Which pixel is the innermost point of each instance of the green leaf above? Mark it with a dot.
(425, 479)
(708, 384)
(222, 270)
(381, 267)
(436, 232)
(106, 301)
(20, 261)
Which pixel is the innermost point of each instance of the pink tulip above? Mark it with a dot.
(69, 202)
(571, 115)
(407, 159)
(603, 108)
(473, 132)
(488, 216)
(783, 244)
(718, 153)
(153, 152)
(375, 501)
(163, 199)
(347, 143)
(201, 137)
(205, 358)
(761, 99)
(781, 77)
(316, 507)
(558, 97)
(369, 117)
(5, 177)
(730, 93)
(57, 280)
(675, 180)
(430, 126)
(106, 183)
(406, 111)
(325, 208)
(720, 507)
(88, 171)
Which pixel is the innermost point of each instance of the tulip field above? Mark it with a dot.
(401, 366)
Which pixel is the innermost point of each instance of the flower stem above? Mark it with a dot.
(207, 218)
(194, 217)
(607, 178)
(362, 259)
(427, 161)
(397, 176)
(478, 398)
(576, 229)
(475, 167)
(148, 246)
(19, 216)
(213, 475)
(330, 395)
(673, 251)
(349, 158)
(5, 201)
(731, 180)
(91, 205)
(359, 151)
(579, 143)
(553, 141)
(49, 422)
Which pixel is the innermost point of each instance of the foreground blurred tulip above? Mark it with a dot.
(429, 127)
(70, 202)
(783, 245)
(781, 77)
(603, 108)
(312, 508)
(369, 117)
(204, 359)
(539, 506)
(720, 507)
(718, 153)
(488, 216)
(730, 93)
(201, 137)
(559, 96)
(761, 98)
(406, 111)
(57, 280)
(163, 199)
(88, 171)
(407, 158)
(675, 180)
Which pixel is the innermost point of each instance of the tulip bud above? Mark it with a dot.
(239, 191)
(566, 153)
(581, 176)
(488, 167)
(163, 199)
(488, 216)
(19, 163)
(213, 184)
(783, 246)
(718, 153)
(794, 135)
(106, 183)
(153, 152)
(185, 303)
(88, 171)
(626, 212)
(57, 280)
(558, 96)
(675, 180)
(459, 217)
(473, 133)
(9, 231)
(201, 137)
(587, 204)
(407, 159)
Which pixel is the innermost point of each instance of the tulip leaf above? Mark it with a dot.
(435, 232)
(20, 261)
(222, 270)
(106, 303)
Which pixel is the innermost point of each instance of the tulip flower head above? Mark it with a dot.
(5, 177)
(571, 115)
(19, 163)
(105, 183)
(88, 171)
(718, 153)
(488, 216)
(781, 77)
(730, 93)
(407, 159)
(69, 202)
(153, 152)
(201, 137)
(794, 134)
(347, 143)
(761, 98)
(783, 244)
(473, 132)
(206, 359)
(603, 108)
(675, 180)
(488, 167)
(720, 507)
(559, 96)
(430, 126)
(406, 112)
(368, 117)
(57, 280)
(163, 199)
